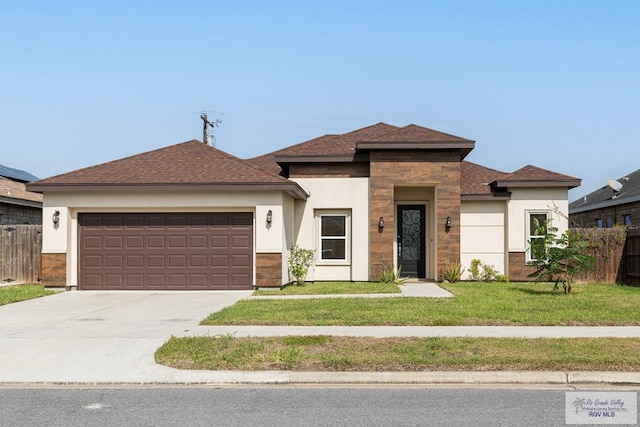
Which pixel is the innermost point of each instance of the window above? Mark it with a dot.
(626, 220)
(333, 237)
(611, 221)
(599, 222)
(536, 234)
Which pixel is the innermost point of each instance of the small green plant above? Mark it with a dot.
(481, 272)
(300, 260)
(391, 275)
(451, 273)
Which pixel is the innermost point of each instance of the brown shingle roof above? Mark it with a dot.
(190, 163)
(10, 189)
(476, 179)
(533, 176)
(415, 133)
(323, 146)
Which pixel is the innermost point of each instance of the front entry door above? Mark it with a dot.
(411, 240)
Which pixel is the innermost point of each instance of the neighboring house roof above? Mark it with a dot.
(606, 196)
(15, 193)
(16, 174)
(190, 164)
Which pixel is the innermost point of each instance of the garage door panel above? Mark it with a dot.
(166, 251)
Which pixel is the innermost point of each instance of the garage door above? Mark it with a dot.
(173, 251)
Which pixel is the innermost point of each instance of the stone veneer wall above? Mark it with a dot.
(390, 169)
(54, 270)
(268, 270)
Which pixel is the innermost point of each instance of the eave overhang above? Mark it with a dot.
(604, 204)
(20, 202)
(465, 147)
(351, 158)
(535, 183)
(485, 197)
(291, 188)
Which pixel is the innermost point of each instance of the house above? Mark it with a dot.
(17, 205)
(190, 216)
(618, 202)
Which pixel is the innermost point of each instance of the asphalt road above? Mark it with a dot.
(279, 406)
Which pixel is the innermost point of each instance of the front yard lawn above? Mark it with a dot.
(325, 288)
(506, 304)
(325, 353)
(17, 293)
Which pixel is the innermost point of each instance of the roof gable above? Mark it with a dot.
(190, 163)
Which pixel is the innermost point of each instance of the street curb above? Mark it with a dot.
(284, 378)
(425, 378)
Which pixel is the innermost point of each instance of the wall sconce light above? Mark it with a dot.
(269, 216)
(381, 223)
(448, 223)
(56, 218)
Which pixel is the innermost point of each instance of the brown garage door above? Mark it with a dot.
(177, 251)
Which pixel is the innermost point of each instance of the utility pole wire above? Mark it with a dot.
(206, 123)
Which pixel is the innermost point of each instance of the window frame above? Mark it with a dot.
(626, 220)
(529, 259)
(346, 214)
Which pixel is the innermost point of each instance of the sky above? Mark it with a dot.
(554, 83)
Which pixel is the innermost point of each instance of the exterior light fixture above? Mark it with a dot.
(381, 223)
(269, 216)
(448, 223)
(56, 218)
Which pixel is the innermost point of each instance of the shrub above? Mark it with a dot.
(300, 260)
(391, 275)
(481, 272)
(451, 273)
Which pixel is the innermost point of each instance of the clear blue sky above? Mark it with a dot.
(550, 83)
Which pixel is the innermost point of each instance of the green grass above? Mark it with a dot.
(17, 293)
(326, 288)
(325, 353)
(474, 304)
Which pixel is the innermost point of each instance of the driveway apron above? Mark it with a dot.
(99, 336)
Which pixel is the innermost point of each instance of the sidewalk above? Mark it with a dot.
(414, 289)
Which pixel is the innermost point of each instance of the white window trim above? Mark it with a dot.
(528, 258)
(319, 213)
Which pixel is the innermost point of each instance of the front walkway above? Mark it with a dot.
(408, 289)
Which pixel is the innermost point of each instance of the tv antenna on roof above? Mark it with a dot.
(207, 137)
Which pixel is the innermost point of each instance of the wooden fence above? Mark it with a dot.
(20, 253)
(617, 255)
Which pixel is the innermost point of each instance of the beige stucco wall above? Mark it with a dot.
(339, 194)
(64, 238)
(535, 199)
(482, 234)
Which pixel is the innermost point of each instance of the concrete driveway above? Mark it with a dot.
(101, 337)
